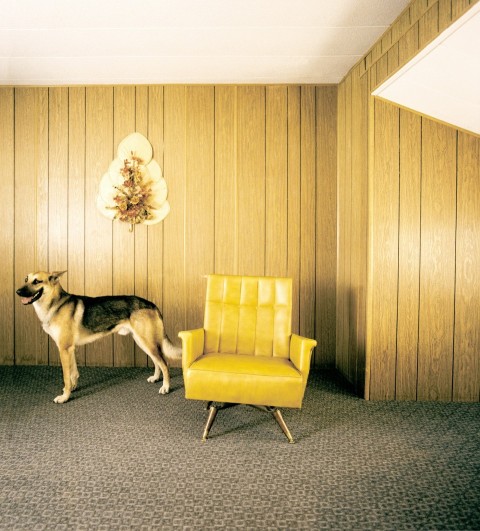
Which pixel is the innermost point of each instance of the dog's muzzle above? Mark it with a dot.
(26, 295)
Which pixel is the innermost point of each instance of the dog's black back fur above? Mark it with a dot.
(104, 313)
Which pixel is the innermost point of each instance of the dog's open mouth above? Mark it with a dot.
(31, 300)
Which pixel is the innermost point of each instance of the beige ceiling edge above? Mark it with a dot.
(361, 63)
(191, 84)
(407, 19)
(441, 81)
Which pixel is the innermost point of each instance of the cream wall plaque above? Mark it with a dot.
(133, 189)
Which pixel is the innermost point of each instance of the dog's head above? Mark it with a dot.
(38, 285)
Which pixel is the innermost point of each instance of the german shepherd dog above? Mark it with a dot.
(73, 320)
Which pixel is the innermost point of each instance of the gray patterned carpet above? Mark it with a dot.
(121, 456)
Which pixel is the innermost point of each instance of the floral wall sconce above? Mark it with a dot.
(133, 189)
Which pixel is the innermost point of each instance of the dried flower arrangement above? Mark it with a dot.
(133, 190)
(131, 201)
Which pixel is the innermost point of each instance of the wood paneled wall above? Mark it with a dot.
(408, 314)
(251, 172)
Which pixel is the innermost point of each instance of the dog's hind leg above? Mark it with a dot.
(153, 351)
(156, 375)
(66, 354)
(74, 374)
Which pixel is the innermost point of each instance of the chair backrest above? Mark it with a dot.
(248, 315)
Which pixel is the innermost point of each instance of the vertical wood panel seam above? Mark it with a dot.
(398, 251)
(48, 91)
(14, 103)
(134, 272)
(112, 148)
(185, 169)
(147, 134)
(265, 179)
(35, 157)
(214, 174)
(112, 239)
(288, 178)
(235, 143)
(300, 213)
(68, 175)
(455, 268)
(339, 208)
(315, 213)
(420, 256)
(163, 174)
(84, 355)
(350, 298)
(84, 193)
(370, 214)
(163, 170)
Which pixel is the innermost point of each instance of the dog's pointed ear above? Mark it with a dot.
(55, 275)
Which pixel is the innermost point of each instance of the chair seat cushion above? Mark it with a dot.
(247, 364)
(244, 379)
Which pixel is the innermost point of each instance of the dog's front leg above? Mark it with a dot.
(66, 354)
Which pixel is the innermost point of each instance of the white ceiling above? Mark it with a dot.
(443, 80)
(65, 42)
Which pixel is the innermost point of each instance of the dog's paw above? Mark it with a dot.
(153, 379)
(164, 390)
(60, 399)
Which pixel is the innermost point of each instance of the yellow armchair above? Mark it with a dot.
(246, 353)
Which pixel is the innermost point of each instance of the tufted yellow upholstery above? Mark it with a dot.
(246, 352)
(248, 315)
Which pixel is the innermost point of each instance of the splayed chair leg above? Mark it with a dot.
(211, 418)
(278, 417)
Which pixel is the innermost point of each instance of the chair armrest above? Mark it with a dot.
(301, 352)
(192, 346)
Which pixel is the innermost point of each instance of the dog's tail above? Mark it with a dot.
(172, 353)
